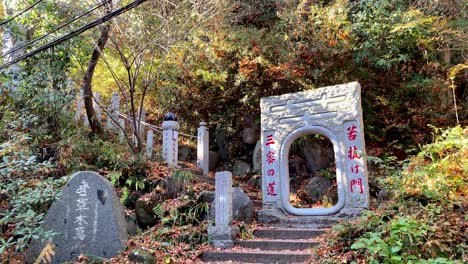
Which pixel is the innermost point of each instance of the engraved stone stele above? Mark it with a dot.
(89, 219)
(222, 233)
(170, 142)
(334, 112)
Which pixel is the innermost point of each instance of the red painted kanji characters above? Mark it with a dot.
(270, 157)
(358, 183)
(352, 133)
(270, 140)
(352, 153)
(271, 172)
(271, 189)
(355, 169)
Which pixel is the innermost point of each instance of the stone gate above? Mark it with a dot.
(334, 112)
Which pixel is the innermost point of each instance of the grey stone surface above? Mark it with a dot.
(255, 181)
(242, 206)
(317, 187)
(89, 219)
(144, 214)
(223, 237)
(213, 160)
(240, 168)
(297, 168)
(207, 197)
(132, 227)
(186, 153)
(257, 157)
(317, 156)
(140, 255)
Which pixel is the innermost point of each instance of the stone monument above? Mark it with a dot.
(203, 151)
(334, 112)
(170, 146)
(222, 233)
(88, 218)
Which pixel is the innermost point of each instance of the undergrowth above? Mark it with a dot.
(425, 222)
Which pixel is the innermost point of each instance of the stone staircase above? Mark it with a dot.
(270, 245)
(286, 242)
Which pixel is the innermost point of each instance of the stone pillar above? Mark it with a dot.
(79, 106)
(170, 147)
(139, 127)
(96, 101)
(222, 234)
(142, 118)
(122, 131)
(149, 143)
(203, 151)
(114, 108)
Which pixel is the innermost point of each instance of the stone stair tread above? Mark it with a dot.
(287, 233)
(276, 245)
(255, 256)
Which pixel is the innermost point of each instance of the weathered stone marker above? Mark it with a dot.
(203, 151)
(113, 111)
(222, 233)
(170, 146)
(334, 112)
(149, 143)
(89, 219)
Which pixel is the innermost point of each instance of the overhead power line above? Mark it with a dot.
(75, 33)
(20, 13)
(55, 30)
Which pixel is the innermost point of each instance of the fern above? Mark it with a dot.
(158, 210)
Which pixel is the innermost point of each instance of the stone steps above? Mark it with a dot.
(271, 245)
(233, 256)
(264, 244)
(282, 233)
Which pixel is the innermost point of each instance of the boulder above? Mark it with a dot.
(140, 255)
(88, 218)
(317, 187)
(213, 160)
(257, 157)
(318, 155)
(240, 168)
(242, 206)
(144, 213)
(186, 153)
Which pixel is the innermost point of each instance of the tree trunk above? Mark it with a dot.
(88, 78)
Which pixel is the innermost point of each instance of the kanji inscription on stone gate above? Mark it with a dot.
(334, 112)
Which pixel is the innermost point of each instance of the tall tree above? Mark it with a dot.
(86, 86)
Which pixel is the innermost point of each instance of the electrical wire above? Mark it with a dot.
(75, 33)
(55, 30)
(20, 13)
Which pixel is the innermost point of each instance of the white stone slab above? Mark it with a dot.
(170, 146)
(203, 151)
(223, 200)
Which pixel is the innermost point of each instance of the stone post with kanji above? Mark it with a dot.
(222, 233)
(170, 146)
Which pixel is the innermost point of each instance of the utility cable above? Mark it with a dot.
(55, 30)
(20, 13)
(75, 33)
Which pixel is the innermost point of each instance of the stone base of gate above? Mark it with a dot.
(278, 217)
